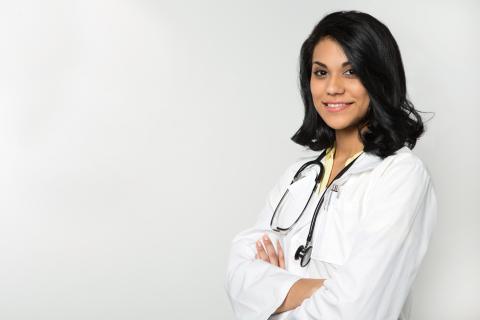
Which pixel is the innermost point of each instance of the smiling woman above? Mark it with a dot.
(352, 249)
(370, 56)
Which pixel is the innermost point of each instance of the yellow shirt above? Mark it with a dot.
(327, 162)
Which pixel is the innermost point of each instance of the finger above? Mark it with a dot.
(281, 256)
(261, 252)
(272, 254)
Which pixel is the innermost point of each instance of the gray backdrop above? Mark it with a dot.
(138, 137)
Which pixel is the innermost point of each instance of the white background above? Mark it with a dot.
(138, 137)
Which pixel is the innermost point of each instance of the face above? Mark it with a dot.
(338, 95)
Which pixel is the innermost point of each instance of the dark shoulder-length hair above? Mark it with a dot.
(391, 121)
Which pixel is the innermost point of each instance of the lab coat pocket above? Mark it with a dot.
(332, 235)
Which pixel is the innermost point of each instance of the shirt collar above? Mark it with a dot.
(331, 151)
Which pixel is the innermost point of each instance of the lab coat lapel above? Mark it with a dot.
(365, 162)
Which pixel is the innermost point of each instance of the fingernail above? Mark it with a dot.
(265, 237)
(258, 244)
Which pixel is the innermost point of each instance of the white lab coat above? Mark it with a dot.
(369, 240)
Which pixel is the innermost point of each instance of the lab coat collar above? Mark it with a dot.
(365, 162)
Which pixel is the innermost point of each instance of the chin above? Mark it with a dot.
(337, 125)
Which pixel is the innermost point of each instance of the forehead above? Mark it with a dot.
(328, 51)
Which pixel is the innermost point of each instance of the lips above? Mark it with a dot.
(336, 106)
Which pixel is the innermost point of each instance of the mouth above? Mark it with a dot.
(336, 106)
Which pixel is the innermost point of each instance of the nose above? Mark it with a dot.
(335, 85)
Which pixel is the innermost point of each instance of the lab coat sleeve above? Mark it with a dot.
(256, 288)
(387, 249)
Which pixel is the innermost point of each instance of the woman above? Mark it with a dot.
(351, 248)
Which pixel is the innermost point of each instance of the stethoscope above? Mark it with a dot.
(304, 252)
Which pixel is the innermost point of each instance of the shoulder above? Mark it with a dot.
(287, 175)
(404, 162)
(402, 176)
(401, 186)
(294, 166)
(403, 172)
(301, 160)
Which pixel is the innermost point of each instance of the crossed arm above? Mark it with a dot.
(301, 290)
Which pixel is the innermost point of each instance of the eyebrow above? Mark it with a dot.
(346, 63)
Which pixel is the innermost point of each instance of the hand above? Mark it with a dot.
(268, 253)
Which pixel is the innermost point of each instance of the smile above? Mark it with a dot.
(336, 106)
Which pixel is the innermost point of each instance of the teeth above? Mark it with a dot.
(336, 105)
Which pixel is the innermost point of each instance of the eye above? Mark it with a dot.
(351, 73)
(320, 73)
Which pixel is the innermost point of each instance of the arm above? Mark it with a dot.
(257, 288)
(388, 247)
(301, 290)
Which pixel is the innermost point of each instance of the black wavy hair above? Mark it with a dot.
(391, 121)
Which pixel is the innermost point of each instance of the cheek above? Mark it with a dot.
(360, 94)
(366, 102)
(316, 89)
(363, 102)
(313, 89)
(365, 107)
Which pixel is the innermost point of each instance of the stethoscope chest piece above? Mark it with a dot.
(304, 253)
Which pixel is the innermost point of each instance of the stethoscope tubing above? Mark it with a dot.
(320, 202)
(303, 252)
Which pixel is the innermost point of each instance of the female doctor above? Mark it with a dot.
(343, 232)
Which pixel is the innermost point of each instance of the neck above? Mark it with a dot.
(347, 143)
